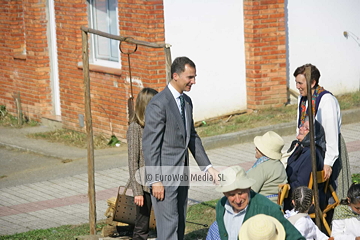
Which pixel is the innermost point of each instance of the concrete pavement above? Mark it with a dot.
(58, 195)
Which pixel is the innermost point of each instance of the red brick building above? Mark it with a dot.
(41, 52)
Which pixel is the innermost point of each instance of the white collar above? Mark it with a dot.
(290, 213)
(173, 91)
(230, 209)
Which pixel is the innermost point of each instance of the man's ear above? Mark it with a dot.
(175, 76)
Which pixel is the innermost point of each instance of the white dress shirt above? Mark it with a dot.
(345, 229)
(176, 96)
(233, 221)
(307, 227)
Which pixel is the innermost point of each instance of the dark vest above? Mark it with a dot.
(317, 102)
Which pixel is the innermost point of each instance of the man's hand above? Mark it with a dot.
(158, 191)
(139, 200)
(214, 173)
(327, 171)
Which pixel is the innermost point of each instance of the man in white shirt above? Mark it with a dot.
(169, 133)
(241, 203)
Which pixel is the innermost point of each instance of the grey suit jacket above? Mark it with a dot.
(164, 140)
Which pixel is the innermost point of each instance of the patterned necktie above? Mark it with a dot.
(182, 104)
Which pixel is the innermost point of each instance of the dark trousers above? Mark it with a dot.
(141, 229)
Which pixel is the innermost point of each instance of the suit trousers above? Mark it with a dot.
(170, 213)
(141, 229)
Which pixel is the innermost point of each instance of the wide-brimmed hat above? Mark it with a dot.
(232, 178)
(262, 227)
(270, 144)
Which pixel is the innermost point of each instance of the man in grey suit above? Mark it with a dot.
(168, 134)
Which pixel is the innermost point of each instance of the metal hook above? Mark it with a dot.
(136, 46)
(128, 53)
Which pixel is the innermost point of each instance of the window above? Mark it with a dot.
(103, 16)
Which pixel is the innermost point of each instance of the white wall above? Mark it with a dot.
(316, 36)
(211, 33)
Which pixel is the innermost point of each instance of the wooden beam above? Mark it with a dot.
(89, 131)
(318, 213)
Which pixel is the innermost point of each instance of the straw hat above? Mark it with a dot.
(270, 144)
(232, 178)
(262, 227)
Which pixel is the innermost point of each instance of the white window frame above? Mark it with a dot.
(111, 62)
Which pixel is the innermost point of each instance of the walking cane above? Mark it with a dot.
(201, 224)
(318, 213)
(131, 98)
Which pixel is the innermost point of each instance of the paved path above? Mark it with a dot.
(61, 201)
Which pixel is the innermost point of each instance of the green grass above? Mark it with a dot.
(66, 232)
(263, 117)
(197, 216)
(349, 101)
(202, 213)
(8, 120)
(258, 118)
(71, 138)
(356, 177)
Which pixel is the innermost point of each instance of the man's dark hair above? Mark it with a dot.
(315, 73)
(178, 65)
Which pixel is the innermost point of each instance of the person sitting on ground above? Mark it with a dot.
(302, 200)
(241, 203)
(299, 166)
(262, 227)
(346, 220)
(268, 171)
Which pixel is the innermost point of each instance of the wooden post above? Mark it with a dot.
(318, 213)
(89, 131)
(19, 109)
(168, 62)
(88, 118)
(124, 39)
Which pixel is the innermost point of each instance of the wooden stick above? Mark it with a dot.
(318, 213)
(124, 39)
(168, 63)
(89, 131)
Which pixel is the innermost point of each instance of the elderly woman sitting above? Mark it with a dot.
(299, 165)
(268, 171)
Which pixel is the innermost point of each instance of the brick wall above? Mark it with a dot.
(143, 20)
(24, 27)
(265, 50)
(109, 92)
